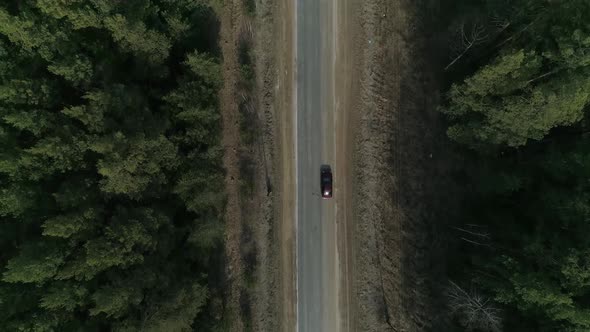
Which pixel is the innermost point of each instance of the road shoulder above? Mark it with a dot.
(258, 242)
(347, 55)
(276, 63)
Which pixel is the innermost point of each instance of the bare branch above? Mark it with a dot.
(477, 234)
(517, 33)
(473, 311)
(476, 225)
(475, 242)
(541, 76)
(475, 37)
(500, 23)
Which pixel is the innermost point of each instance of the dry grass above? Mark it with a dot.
(260, 254)
(229, 13)
(247, 204)
(400, 186)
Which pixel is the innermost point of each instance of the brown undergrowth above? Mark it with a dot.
(252, 268)
(401, 168)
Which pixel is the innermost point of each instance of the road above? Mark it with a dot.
(318, 268)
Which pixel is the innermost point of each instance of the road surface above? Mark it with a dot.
(318, 272)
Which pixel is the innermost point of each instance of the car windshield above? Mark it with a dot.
(326, 179)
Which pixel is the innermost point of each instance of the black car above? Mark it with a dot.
(326, 181)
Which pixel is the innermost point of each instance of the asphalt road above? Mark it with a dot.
(318, 277)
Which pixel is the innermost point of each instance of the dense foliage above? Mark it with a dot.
(520, 113)
(536, 80)
(110, 173)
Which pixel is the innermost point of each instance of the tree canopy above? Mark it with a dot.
(110, 169)
(521, 114)
(537, 80)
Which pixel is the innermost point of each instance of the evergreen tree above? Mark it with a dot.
(537, 82)
(521, 111)
(110, 165)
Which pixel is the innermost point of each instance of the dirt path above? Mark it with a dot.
(231, 144)
(286, 148)
(346, 55)
(275, 72)
(281, 42)
(275, 64)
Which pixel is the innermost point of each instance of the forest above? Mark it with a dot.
(517, 109)
(110, 166)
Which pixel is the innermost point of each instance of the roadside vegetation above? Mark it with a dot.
(247, 103)
(517, 104)
(110, 166)
(249, 134)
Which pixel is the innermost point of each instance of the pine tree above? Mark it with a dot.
(537, 83)
(110, 165)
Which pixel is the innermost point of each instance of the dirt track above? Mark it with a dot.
(283, 92)
(346, 57)
(231, 144)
